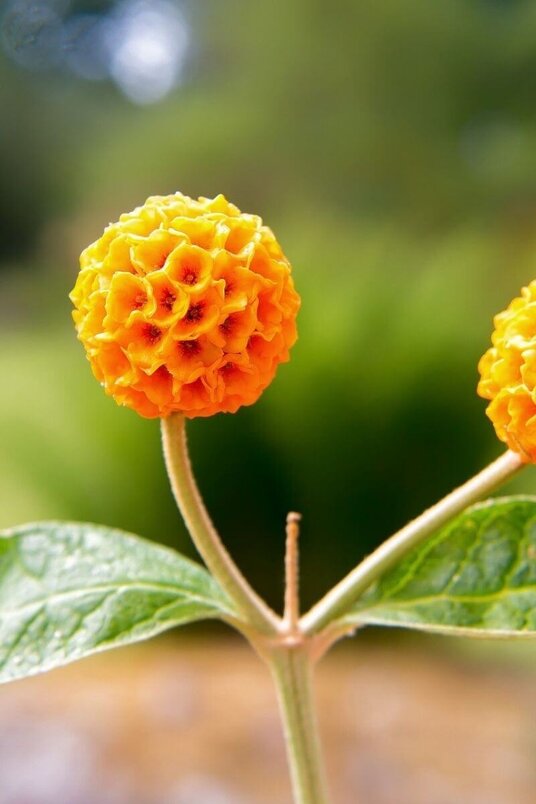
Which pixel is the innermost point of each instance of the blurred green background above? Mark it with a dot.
(392, 148)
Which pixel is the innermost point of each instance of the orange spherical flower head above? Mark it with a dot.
(185, 306)
(508, 375)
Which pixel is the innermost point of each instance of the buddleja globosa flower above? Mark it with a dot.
(185, 306)
(508, 375)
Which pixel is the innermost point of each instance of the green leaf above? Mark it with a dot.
(68, 590)
(476, 577)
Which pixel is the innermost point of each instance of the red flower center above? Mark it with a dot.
(152, 333)
(195, 312)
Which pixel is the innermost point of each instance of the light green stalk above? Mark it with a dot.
(341, 597)
(203, 532)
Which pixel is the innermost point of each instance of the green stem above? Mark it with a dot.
(356, 582)
(292, 672)
(203, 532)
(291, 665)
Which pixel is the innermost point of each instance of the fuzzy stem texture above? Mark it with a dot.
(292, 673)
(341, 597)
(203, 532)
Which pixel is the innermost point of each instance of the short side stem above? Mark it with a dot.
(356, 582)
(203, 533)
(292, 672)
(292, 574)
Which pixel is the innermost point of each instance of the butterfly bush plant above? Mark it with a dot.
(185, 309)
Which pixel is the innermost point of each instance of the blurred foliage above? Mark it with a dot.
(392, 147)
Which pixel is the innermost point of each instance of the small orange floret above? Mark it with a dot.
(508, 375)
(185, 306)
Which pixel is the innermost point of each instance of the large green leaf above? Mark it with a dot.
(68, 590)
(476, 577)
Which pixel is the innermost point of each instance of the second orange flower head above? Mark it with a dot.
(508, 375)
(185, 306)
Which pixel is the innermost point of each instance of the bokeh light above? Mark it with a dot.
(146, 42)
(140, 45)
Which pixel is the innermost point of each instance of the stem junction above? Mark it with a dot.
(291, 645)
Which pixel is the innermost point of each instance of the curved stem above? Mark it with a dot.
(203, 532)
(292, 672)
(356, 582)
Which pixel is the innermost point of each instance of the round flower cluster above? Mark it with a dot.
(508, 374)
(185, 306)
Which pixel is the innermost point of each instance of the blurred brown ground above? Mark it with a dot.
(195, 723)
